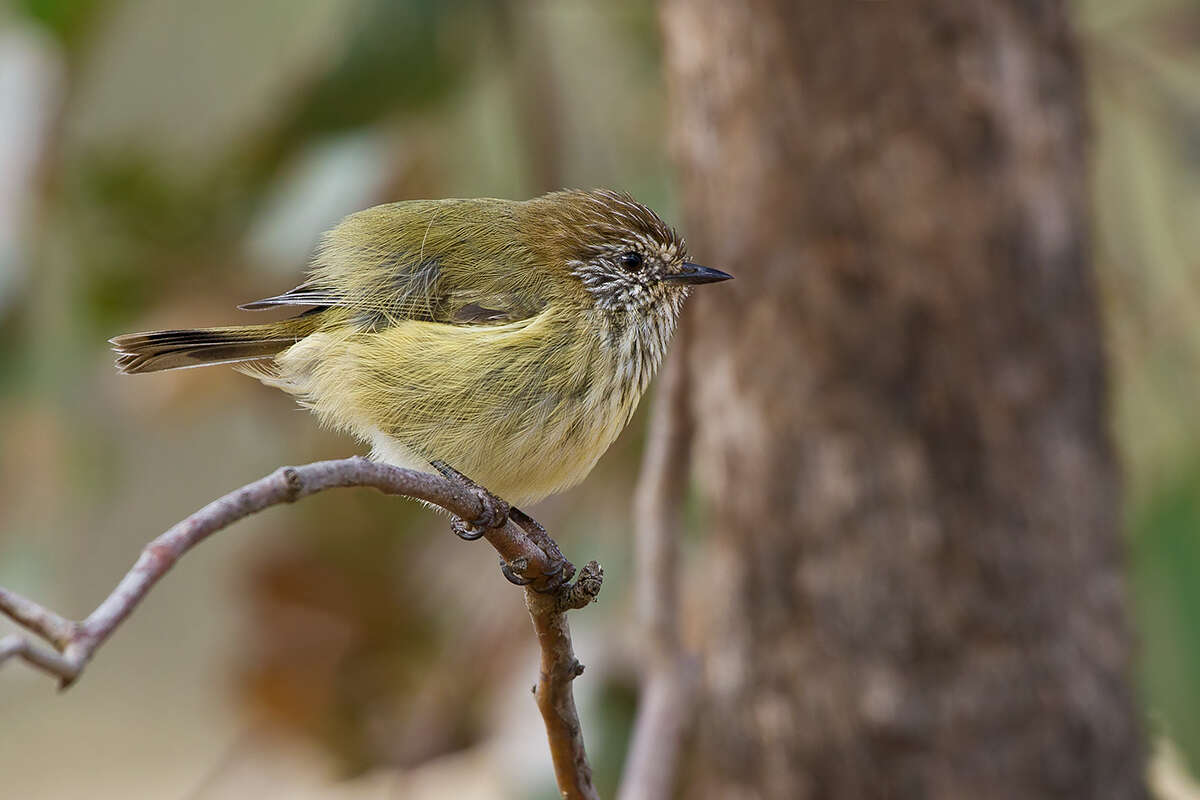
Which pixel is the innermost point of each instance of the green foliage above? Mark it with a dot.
(70, 20)
(1145, 77)
(612, 721)
(407, 56)
(1166, 563)
(144, 232)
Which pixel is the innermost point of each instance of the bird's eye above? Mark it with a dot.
(631, 260)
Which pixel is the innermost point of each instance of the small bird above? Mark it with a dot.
(510, 340)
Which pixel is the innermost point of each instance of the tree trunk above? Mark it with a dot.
(901, 400)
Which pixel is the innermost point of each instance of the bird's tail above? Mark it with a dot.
(159, 350)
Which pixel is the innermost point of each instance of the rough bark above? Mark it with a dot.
(901, 405)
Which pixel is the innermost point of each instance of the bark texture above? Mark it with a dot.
(918, 586)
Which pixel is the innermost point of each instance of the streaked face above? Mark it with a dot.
(627, 274)
(633, 262)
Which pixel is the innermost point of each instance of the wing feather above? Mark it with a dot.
(450, 261)
(306, 294)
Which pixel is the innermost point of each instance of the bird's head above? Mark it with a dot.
(627, 260)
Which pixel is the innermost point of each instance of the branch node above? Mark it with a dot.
(295, 484)
(585, 590)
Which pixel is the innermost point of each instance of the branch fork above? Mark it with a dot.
(530, 557)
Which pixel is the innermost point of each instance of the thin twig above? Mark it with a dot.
(559, 668)
(669, 674)
(56, 629)
(663, 715)
(537, 562)
(659, 495)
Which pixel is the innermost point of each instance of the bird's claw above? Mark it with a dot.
(549, 582)
(494, 514)
(560, 574)
(514, 577)
(467, 531)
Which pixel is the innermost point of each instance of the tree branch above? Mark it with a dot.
(526, 549)
(559, 668)
(669, 673)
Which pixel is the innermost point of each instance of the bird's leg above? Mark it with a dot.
(562, 570)
(495, 511)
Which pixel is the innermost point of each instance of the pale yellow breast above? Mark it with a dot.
(525, 408)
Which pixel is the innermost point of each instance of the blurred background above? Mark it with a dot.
(163, 160)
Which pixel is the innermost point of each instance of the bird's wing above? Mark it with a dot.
(390, 263)
(428, 304)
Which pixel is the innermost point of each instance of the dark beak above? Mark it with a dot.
(694, 273)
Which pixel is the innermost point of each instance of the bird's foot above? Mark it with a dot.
(493, 510)
(561, 571)
(466, 530)
(513, 572)
(551, 581)
(495, 513)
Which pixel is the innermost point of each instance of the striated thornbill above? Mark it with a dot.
(510, 339)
